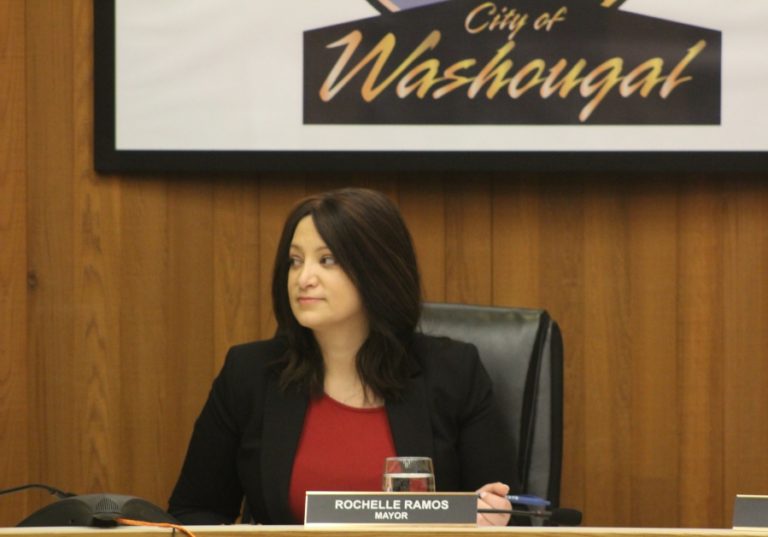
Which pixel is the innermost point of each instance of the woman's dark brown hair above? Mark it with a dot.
(368, 237)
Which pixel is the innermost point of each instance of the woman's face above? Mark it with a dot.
(321, 294)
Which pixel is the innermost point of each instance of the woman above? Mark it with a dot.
(347, 381)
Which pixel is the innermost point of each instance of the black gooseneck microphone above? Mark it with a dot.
(53, 490)
(100, 510)
(559, 516)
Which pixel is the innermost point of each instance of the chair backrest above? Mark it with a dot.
(522, 350)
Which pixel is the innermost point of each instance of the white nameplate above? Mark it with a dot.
(750, 512)
(444, 508)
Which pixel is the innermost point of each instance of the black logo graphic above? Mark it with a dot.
(535, 62)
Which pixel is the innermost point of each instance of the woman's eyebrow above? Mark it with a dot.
(319, 248)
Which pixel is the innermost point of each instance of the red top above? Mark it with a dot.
(341, 448)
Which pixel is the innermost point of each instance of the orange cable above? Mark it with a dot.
(131, 522)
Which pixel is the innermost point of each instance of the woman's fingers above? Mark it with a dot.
(493, 496)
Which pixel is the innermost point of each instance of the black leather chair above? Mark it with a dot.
(522, 350)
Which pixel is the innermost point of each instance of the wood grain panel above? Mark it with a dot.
(516, 242)
(607, 368)
(189, 323)
(57, 425)
(468, 232)
(14, 375)
(236, 265)
(653, 383)
(145, 341)
(317, 183)
(95, 259)
(700, 354)
(745, 339)
(422, 204)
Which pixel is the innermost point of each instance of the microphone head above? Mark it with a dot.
(565, 517)
(100, 510)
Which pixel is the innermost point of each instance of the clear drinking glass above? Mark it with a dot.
(408, 474)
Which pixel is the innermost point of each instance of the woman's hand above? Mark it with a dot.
(493, 496)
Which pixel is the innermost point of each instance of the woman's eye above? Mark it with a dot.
(328, 260)
(294, 261)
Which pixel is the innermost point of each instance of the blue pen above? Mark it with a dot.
(528, 500)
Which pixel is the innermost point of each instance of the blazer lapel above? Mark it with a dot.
(283, 423)
(409, 421)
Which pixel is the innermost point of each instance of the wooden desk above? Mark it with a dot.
(377, 531)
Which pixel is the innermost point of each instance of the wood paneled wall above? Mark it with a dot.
(15, 414)
(120, 295)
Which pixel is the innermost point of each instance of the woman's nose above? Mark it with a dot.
(308, 275)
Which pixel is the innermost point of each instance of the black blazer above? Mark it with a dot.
(246, 437)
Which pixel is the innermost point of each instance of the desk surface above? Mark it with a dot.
(379, 531)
